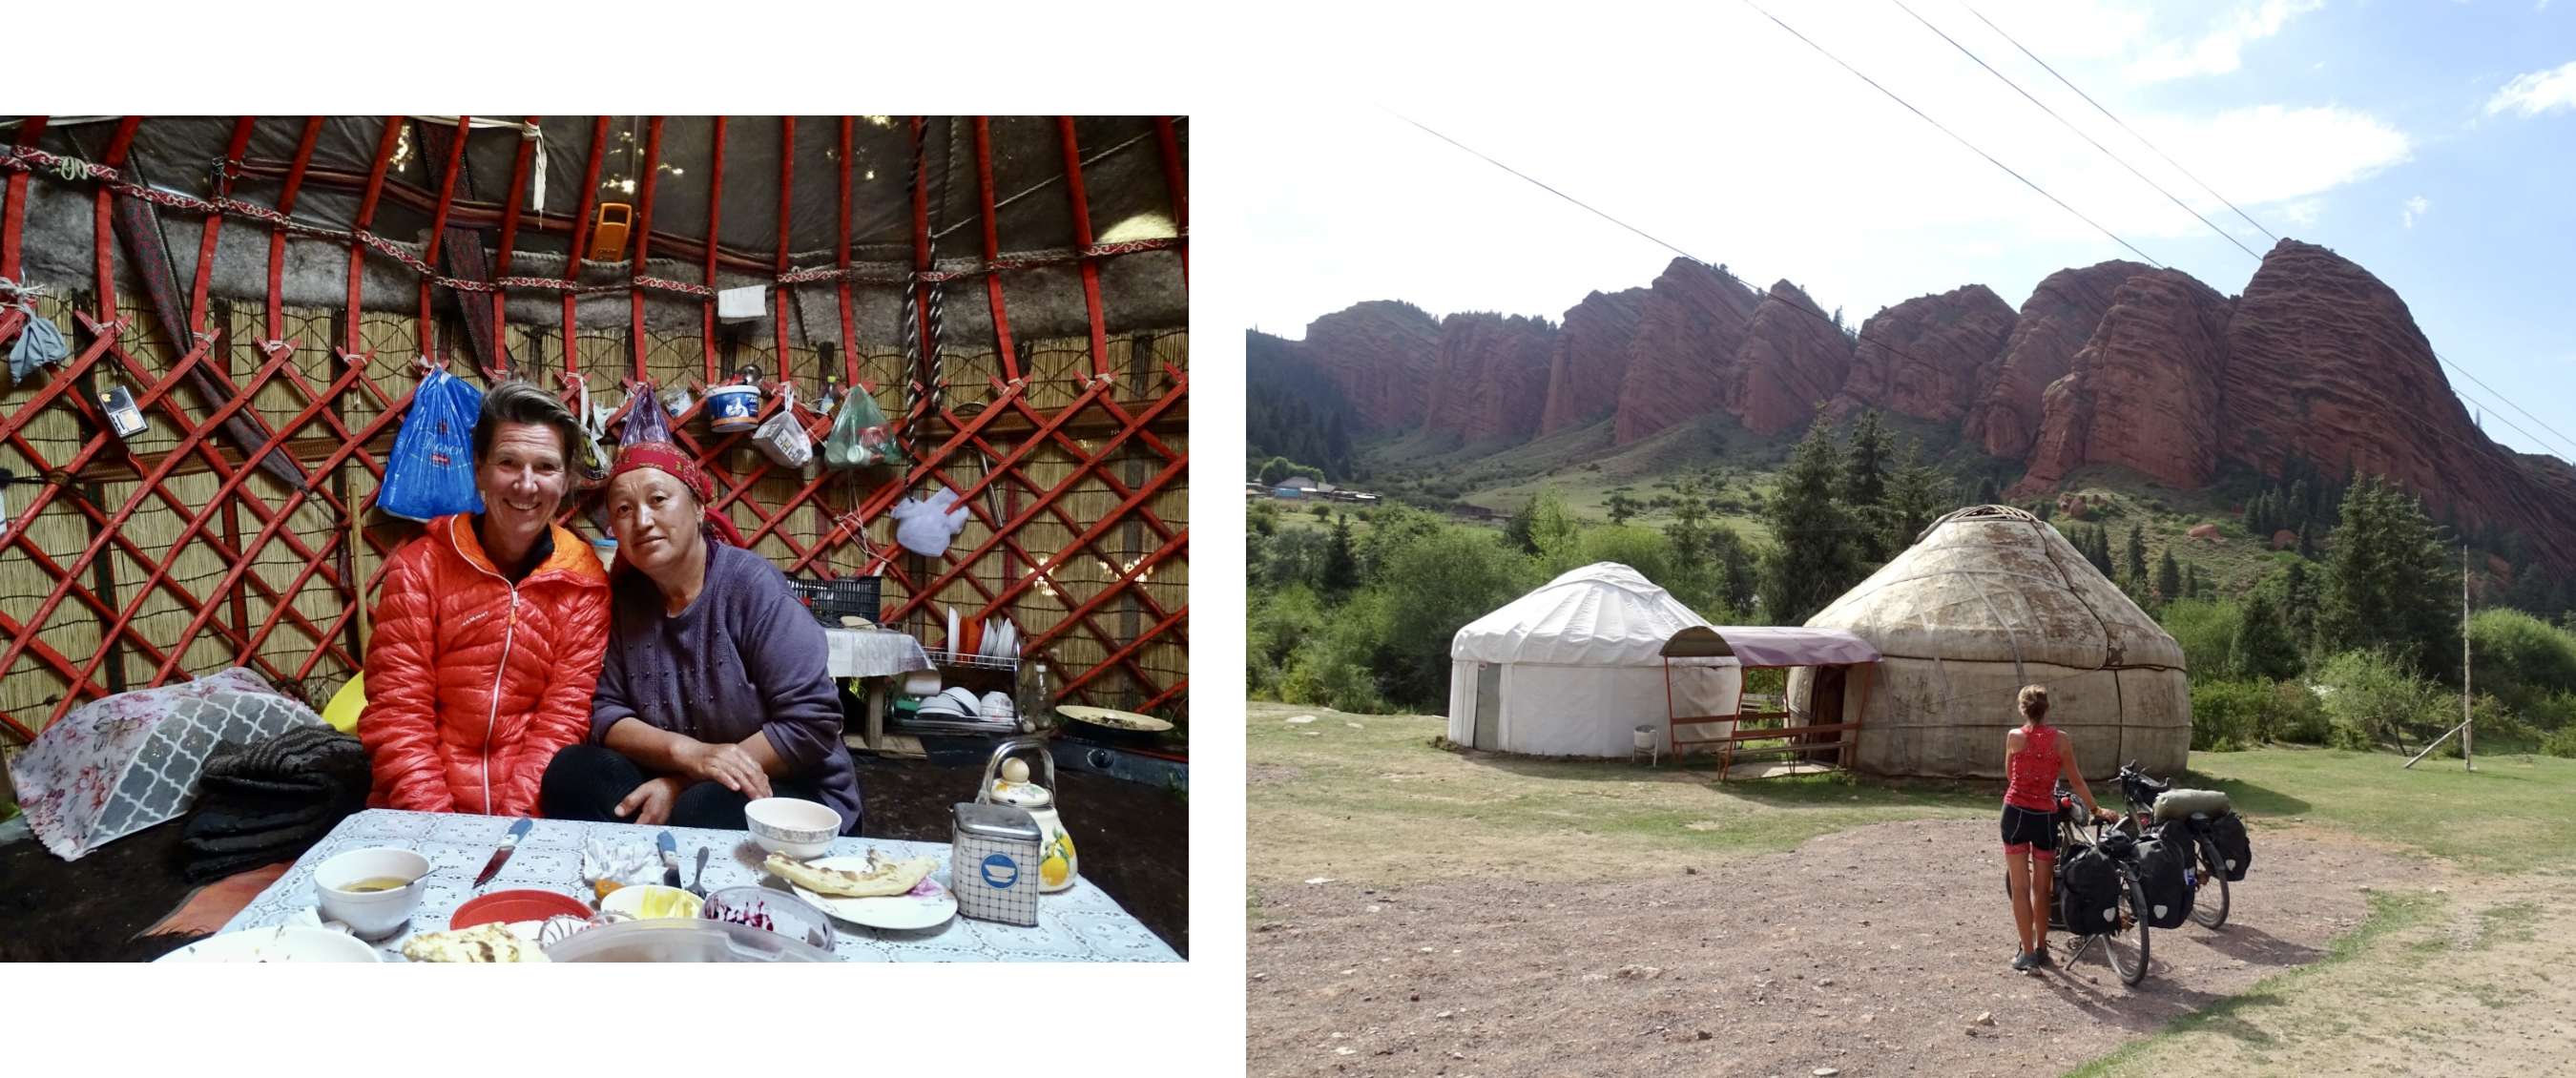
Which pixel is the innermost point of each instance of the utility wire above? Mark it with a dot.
(2097, 107)
(2079, 132)
(1954, 136)
(2564, 442)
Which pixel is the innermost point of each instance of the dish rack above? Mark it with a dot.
(977, 662)
(832, 600)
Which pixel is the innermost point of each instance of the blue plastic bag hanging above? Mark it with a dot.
(38, 343)
(431, 471)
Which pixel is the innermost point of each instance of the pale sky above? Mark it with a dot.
(2434, 143)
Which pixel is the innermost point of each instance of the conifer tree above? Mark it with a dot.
(2168, 577)
(2138, 554)
(2263, 646)
(2390, 583)
(1813, 558)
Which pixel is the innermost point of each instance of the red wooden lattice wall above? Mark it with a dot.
(237, 529)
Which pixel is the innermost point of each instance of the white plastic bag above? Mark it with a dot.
(782, 437)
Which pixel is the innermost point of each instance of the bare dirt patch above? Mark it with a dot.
(1873, 950)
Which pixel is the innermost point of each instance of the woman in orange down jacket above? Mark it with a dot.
(490, 631)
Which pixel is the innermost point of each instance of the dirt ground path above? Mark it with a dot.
(1877, 950)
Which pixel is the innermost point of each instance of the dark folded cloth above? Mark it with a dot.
(271, 800)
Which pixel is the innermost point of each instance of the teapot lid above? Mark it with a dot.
(1023, 794)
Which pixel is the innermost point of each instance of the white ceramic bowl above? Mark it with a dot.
(371, 914)
(281, 944)
(791, 826)
(632, 899)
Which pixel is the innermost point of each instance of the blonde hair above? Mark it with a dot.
(2034, 703)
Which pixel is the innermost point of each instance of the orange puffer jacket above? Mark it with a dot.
(473, 685)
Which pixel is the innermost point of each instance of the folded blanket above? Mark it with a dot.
(271, 800)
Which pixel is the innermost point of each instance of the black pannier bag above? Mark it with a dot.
(2160, 875)
(2088, 892)
(2235, 849)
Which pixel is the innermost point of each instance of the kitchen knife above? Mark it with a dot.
(670, 859)
(509, 844)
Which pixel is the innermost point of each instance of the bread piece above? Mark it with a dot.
(488, 942)
(882, 878)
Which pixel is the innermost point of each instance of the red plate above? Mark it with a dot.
(510, 906)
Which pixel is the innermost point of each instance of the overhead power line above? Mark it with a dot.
(2079, 133)
(2097, 107)
(2564, 445)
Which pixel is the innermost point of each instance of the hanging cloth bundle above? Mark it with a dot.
(39, 344)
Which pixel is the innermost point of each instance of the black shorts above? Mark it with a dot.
(2034, 833)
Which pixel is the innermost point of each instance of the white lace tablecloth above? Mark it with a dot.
(1078, 925)
(874, 652)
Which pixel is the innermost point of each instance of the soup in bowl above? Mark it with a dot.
(373, 891)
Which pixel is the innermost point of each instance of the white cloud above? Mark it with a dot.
(2302, 212)
(2221, 50)
(2537, 92)
(2415, 208)
(1809, 174)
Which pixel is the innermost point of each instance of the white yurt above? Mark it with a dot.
(1573, 668)
(1987, 600)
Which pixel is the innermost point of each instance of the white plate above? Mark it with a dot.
(900, 912)
(276, 945)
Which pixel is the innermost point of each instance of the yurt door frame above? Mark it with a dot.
(1841, 738)
(1486, 726)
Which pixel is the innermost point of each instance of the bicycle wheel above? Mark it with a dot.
(2126, 949)
(2205, 912)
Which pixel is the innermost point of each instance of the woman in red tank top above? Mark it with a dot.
(2036, 755)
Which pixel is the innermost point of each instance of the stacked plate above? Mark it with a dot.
(959, 711)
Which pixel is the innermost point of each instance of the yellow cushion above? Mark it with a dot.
(342, 713)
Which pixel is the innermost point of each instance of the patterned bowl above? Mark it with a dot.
(771, 911)
(795, 827)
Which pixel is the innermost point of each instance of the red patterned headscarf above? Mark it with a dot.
(669, 460)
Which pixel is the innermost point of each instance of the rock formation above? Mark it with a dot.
(1681, 362)
(1923, 357)
(1489, 377)
(1591, 359)
(2055, 322)
(1380, 353)
(2145, 392)
(1793, 359)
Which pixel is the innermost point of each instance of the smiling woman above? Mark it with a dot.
(491, 629)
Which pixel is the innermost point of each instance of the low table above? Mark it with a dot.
(873, 655)
(1082, 924)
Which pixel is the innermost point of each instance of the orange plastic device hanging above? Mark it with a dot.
(608, 237)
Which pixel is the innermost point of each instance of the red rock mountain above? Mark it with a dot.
(1793, 359)
(1681, 362)
(1591, 360)
(2055, 321)
(1380, 353)
(1490, 377)
(2145, 392)
(1923, 357)
(2110, 364)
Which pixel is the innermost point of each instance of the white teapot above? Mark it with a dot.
(1006, 782)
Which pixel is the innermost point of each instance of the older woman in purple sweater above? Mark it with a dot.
(715, 689)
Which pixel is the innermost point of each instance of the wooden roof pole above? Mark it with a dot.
(849, 318)
(715, 218)
(993, 248)
(14, 222)
(276, 324)
(423, 329)
(350, 341)
(510, 239)
(581, 223)
(1175, 181)
(1082, 239)
(786, 201)
(643, 243)
(225, 171)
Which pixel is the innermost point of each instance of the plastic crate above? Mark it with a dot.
(832, 600)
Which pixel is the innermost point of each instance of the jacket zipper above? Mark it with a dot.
(509, 636)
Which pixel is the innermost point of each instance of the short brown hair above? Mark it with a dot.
(516, 401)
(2034, 702)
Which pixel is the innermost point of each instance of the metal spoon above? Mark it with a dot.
(697, 879)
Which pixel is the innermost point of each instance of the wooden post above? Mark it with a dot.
(2468, 729)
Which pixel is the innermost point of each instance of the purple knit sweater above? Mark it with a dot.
(744, 656)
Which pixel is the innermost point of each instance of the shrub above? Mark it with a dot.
(2521, 658)
(2206, 629)
(2227, 715)
(2373, 700)
(2560, 743)
(2298, 716)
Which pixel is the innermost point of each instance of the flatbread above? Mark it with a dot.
(488, 942)
(882, 879)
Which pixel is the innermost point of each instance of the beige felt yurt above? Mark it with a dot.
(1987, 600)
